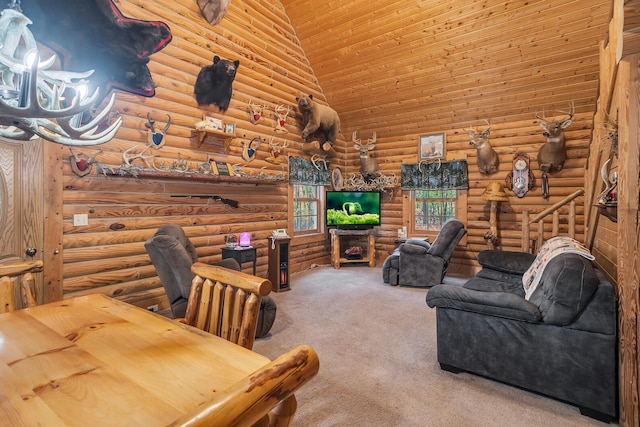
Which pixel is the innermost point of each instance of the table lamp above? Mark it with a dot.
(245, 240)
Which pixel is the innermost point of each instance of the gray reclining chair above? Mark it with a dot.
(422, 264)
(172, 254)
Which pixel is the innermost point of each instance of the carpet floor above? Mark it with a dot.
(377, 349)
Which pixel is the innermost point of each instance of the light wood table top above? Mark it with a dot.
(93, 361)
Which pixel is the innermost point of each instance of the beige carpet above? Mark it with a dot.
(377, 350)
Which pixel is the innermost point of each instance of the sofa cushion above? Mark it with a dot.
(488, 280)
(506, 261)
(567, 285)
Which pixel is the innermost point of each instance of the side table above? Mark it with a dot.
(241, 255)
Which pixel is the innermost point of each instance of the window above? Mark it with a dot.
(431, 208)
(307, 204)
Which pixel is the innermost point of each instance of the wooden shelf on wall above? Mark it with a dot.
(201, 134)
(189, 176)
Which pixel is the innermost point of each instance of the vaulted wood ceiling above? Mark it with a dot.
(403, 67)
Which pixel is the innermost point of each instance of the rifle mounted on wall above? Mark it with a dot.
(229, 202)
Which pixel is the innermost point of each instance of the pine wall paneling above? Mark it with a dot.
(108, 255)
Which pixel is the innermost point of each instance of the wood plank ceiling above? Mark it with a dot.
(404, 67)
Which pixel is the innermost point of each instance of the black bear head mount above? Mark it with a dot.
(214, 83)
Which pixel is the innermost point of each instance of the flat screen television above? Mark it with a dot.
(352, 210)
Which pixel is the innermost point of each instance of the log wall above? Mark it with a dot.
(108, 254)
(507, 139)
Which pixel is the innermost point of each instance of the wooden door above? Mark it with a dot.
(21, 204)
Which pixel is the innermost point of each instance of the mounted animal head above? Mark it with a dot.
(487, 157)
(368, 164)
(553, 153)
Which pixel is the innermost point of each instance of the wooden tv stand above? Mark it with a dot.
(336, 253)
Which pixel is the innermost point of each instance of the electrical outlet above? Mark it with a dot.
(153, 307)
(80, 219)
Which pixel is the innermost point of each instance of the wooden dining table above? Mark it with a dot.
(94, 361)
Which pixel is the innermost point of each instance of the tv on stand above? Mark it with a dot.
(352, 210)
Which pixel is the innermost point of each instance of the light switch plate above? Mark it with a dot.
(80, 219)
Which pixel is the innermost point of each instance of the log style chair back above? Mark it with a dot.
(265, 397)
(21, 272)
(226, 303)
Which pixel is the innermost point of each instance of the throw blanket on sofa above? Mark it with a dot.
(552, 248)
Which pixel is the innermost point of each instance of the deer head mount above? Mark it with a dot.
(368, 164)
(553, 153)
(487, 157)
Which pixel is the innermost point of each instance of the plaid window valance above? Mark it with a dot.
(443, 175)
(302, 171)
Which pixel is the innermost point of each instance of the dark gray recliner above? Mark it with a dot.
(419, 263)
(172, 254)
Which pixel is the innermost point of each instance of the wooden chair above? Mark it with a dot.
(226, 303)
(9, 274)
(263, 398)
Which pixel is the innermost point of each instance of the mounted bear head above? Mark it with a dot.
(214, 83)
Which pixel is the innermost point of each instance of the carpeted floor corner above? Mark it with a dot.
(378, 367)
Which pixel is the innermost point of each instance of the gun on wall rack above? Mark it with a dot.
(229, 202)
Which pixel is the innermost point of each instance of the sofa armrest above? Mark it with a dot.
(506, 261)
(497, 304)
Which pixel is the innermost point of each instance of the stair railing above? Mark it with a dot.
(539, 219)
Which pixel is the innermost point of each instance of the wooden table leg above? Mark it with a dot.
(282, 415)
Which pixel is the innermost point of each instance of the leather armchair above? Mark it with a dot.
(422, 264)
(172, 254)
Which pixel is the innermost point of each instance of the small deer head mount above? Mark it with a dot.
(487, 157)
(553, 153)
(368, 164)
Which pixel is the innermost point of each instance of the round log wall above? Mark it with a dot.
(125, 206)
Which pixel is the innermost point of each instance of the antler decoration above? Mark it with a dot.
(156, 139)
(281, 119)
(276, 150)
(37, 107)
(80, 164)
(255, 112)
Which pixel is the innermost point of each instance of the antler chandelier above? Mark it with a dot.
(38, 102)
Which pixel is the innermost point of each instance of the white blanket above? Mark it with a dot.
(552, 248)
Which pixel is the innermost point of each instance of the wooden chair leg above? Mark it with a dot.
(282, 415)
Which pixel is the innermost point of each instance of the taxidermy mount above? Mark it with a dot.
(321, 122)
(214, 83)
(213, 10)
(93, 34)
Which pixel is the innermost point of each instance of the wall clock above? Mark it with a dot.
(520, 180)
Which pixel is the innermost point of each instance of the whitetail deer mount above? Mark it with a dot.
(368, 164)
(487, 157)
(553, 153)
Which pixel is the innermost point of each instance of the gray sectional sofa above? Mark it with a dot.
(560, 343)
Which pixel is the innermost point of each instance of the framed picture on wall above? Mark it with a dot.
(431, 147)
